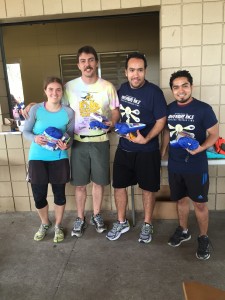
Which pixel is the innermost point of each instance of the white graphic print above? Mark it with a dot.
(130, 113)
(179, 128)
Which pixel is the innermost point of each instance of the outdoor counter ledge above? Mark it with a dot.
(9, 132)
(211, 162)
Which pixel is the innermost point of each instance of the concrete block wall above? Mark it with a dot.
(14, 194)
(193, 38)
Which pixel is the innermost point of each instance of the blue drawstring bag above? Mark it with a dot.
(97, 125)
(125, 128)
(188, 143)
(52, 135)
(175, 144)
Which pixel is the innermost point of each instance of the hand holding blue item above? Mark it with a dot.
(189, 143)
(126, 128)
(98, 121)
(52, 135)
(97, 125)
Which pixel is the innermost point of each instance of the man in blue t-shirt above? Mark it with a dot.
(137, 159)
(195, 121)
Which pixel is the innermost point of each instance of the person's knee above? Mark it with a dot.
(147, 193)
(40, 203)
(40, 195)
(201, 207)
(81, 189)
(120, 194)
(59, 200)
(183, 201)
(59, 194)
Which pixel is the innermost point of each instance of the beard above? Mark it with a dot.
(184, 100)
(137, 85)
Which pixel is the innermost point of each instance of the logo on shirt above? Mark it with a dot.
(88, 106)
(129, 113)
(181, 117)
(180, 129)
(130, 99)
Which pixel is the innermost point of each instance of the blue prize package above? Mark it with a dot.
(185, 141)
(52, 135)
(125, 128)
(97, 121)
(189, 143)
(65, 139)
(97, 125)
(21, 105)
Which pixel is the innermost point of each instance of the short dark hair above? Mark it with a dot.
(181, 73)
(136, 55)
(88, 50)
(51, 79)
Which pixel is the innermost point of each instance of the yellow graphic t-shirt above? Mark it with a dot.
(100, 97)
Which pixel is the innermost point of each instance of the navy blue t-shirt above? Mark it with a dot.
(143, 105)
(194, 118)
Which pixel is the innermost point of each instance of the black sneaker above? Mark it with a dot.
(179, 237)
(203, 247)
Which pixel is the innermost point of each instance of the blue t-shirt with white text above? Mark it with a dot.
(142, 105)
(194, 119)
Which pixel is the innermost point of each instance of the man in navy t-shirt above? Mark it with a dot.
(137, 158)
(189, 118)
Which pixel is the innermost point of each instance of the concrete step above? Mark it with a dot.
(165, 210)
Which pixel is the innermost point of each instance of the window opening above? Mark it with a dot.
(16, 89)
(111, 67)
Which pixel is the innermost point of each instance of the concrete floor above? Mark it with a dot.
(94, 268)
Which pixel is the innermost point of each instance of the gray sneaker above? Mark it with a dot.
(98, 222)
(78, 227)
(146, 233)
(117, 230)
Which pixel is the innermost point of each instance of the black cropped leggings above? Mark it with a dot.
(40, 192)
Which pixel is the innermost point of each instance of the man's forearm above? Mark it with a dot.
(213, 134)
(155, 131)
(115, 116)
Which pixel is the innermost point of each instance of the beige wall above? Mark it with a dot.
(192, 36)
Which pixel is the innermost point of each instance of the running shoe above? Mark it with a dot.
(203, 251)
(42, 231)
(179, 237)
(117, 230)
(98, 222)
(59, 234)
(146, 233)
(78, 227)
